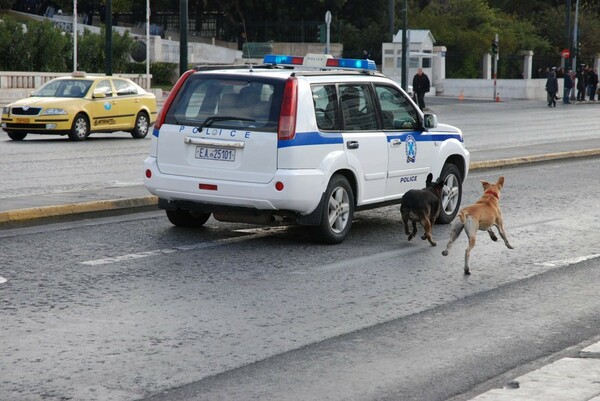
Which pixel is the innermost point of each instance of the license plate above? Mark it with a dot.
(226, 155)
(22, 120)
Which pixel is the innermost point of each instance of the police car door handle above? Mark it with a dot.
(395, 142)
(352, 144)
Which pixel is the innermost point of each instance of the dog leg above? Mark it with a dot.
(471, 232)
(492, 235)
(414, 231)
(427, 226)
(503, 234)
(457, 227)
(405, 221)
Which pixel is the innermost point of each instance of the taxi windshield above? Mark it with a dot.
(71, 88)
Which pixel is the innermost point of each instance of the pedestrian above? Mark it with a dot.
(581, 83)
(568, 85)
(421, 85)
(552, 88)
(592, 83)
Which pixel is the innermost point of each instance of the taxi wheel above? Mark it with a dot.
(142, 125)
(16, 136)
(185, 218)
(337, 212)
(451, 194)
(80, 129)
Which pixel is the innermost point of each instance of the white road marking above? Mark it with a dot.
(567, 262)
(3, 280)
(258, 232)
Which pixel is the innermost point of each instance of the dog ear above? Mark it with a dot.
(485, 184)
(429, 179)
(500, 182)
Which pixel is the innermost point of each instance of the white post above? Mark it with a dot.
(75, 35)
(527, 64)
(148, 83)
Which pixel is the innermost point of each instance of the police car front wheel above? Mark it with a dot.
(452, 193)
(337, 212)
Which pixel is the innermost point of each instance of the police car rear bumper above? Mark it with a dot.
(301, 192)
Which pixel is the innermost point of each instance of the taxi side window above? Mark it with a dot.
(326, 107)
(124, 88)
(104, 87)
(396, 112)
(358, 111)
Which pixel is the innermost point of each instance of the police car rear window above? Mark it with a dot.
(232, 103)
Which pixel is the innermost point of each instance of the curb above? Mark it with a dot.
(34, 213)
(533, 159)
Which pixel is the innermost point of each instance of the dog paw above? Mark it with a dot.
(445, 252)
(410, 237)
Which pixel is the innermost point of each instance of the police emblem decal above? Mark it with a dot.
(107, 105)
(411, 149)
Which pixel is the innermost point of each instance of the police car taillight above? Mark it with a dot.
(289, 106)
(160, 119)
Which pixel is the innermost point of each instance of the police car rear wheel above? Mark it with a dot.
(185, 218)
(80, 128)
(337, 212)
(142, 125)
(452, 193)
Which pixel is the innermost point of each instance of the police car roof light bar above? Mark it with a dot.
(321, 61)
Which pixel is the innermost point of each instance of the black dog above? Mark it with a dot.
(423, 206)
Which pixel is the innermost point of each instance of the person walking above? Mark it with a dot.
(552, 88)
(568, 86)
(421, 85)
(592, 81)
(581, 83)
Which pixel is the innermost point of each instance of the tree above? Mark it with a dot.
(467, 27)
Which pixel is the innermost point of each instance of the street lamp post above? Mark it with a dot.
(183, 36)
(404, 80)
(75, 29)
(148, 81)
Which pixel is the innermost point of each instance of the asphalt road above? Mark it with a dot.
(130, 308)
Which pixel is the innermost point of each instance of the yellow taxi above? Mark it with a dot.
(79, 105)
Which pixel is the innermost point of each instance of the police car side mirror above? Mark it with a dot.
(430, 121)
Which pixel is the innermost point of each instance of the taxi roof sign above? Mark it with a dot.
(321, 61)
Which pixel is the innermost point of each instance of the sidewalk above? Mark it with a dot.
(21, 210)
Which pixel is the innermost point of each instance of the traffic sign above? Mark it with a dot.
(566, 53)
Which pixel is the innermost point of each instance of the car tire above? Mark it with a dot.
(452, 193)
(80, 129)
(142, 125)
(337, 212)
(16, 136)
(185, 218)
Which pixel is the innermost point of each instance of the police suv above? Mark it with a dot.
(306, 140)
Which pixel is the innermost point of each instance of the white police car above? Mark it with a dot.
(306, 140)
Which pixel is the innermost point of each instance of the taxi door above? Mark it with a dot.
(104, 108)
(365, 145)
(409, 146)
(127, 103)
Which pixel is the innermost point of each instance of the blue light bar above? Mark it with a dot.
(322, 61)
(351, 63)
(282, 59)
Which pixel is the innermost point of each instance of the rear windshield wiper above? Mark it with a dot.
(210, 120)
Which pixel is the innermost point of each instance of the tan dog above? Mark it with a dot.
(482, 215)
